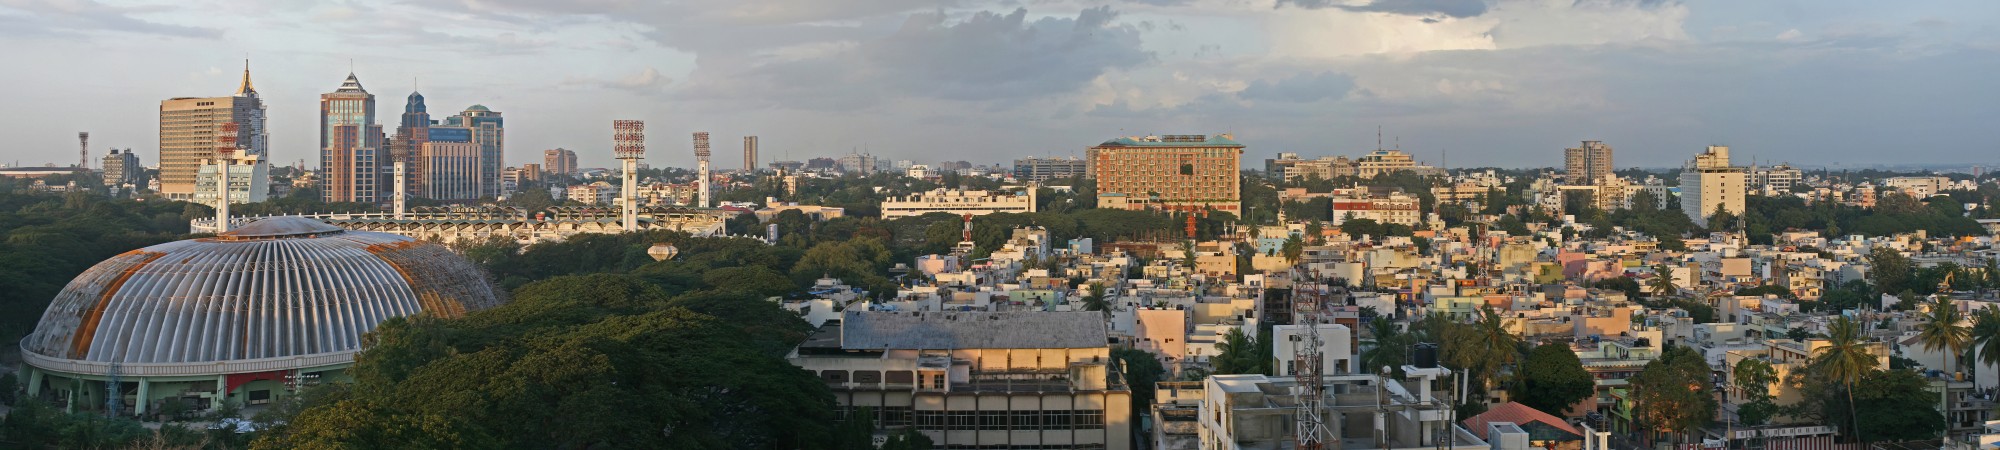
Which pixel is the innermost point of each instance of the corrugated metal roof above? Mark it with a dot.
(876, 330)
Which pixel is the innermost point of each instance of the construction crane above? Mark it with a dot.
(1308, 304)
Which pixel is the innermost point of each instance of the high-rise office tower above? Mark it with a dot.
(350, 142)
(489, 134)
(1586, 163)
(453, 167)
(189, 127)
(559, 162)
(750, 154)
(1709, 184)
(411, 134)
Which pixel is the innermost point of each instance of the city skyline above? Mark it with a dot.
(1506, 83)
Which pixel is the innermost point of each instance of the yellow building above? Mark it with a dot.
(1709, 184)
(1174, 172)
(1383, 162)
(189, 127)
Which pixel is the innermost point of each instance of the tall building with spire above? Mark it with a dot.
(351, 159)
(189, 127)
(408, 144)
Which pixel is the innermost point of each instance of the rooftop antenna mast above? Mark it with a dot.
(1309, 416)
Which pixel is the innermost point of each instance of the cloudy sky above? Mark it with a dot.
(1492, 82)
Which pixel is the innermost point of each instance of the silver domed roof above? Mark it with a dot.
(276, 294)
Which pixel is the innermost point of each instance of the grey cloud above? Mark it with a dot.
(1425, 8)
(88, 16)
(987, 56)
(1300, 88)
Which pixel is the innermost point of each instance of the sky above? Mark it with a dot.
(1459, 83)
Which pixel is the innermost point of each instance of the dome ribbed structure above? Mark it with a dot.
(285, 292)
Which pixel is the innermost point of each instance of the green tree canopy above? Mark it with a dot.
(1553, 379)
(1673, 391)
(579, 361)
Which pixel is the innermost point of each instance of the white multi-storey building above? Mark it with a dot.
(1710, 184)
(959, 202)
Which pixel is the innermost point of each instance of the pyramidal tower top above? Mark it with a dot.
(246, 88)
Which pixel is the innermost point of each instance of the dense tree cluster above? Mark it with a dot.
(581, 361)
(47, 239)
(1552, 379)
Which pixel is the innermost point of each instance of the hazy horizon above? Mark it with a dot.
(1505, 83)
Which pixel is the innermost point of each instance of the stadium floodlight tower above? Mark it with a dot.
(628, 139)
(225, 152)
(701, 158)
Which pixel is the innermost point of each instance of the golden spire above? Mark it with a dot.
(246, 89)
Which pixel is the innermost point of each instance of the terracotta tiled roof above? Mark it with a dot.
(1519, 414)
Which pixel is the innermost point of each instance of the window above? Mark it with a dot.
(993, 420)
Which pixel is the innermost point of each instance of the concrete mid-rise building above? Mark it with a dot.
(559, 162)
(1384, 162)
(1039, 169)
(189, 127)
(1029, 379)
(1172, 172)
(1386, 208)
(122, 168)
(1709, 184)
(596, 193)
(1778, 178)
(1361, 411)
(960, 202)
(1587, 163)
(352, 157)
(858, 163)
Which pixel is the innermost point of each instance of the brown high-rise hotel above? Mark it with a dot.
(1172, 172)
(188, 128)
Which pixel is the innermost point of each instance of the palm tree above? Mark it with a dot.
(1295, 247)
(1662, 283)
(1845, 358)
(1501, 346)
(1986, 335)
(1094, 301)
(1389, 349)
(1944, 332)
